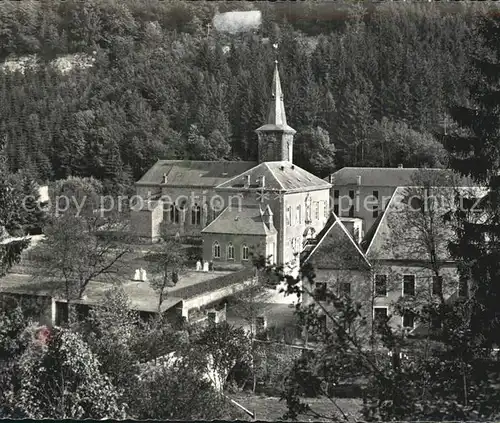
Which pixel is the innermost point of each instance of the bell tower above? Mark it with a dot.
(275, 136)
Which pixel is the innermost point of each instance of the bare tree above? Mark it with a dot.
(168, 264)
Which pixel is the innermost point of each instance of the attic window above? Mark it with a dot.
(224, 173)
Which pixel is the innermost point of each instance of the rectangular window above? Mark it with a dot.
(289, 216)
(336, 194)
(408, 320)
(437, 285)
(375, 206)
(322, 323)
(326, 208)
(380, 285)
(320, 291)
(379, 315)
(408, 285)
(351, 204)
(298, 217)
(463, 288)
(345, 289)
(316, 210)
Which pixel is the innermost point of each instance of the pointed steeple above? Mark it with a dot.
(275, 136)
(277, 115)
(276, 118)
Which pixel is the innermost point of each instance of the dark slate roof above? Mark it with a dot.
(279, 176)
(193, 173)
(244, 220)
(396, 177)
(335, 249)
(392, 236)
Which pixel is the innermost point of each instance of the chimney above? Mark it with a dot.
(400, 166)
(247, 183)
(330, 178)
(165, 178)
(263, 181)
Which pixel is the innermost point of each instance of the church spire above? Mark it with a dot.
(275, 136)
(277, 115)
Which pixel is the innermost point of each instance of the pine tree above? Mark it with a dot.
(475, 151)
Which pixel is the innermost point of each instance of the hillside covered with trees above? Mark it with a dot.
(371, 82)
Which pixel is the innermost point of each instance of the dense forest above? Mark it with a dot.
(372, 81)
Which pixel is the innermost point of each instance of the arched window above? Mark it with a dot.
(196, 215)
(174, 214)
(230, 251)
(167, 212)
(244, 252)
(216, 249)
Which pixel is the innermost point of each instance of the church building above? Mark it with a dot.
(270, 207)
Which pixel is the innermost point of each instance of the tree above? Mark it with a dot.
(178, 391)
(59, 378)
(109, 330)
(393, 143)
(224, 346)
(475, 152)
(451, 379)
(249, 304)
(10, 251)
(81, 242)
(169, 262)
(314, 152)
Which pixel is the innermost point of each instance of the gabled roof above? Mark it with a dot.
(240, 220)
(395, 177)
(193, 173)
(279, 176)
(335, 249)
(394, 237)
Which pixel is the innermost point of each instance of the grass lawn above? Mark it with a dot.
(272, 409)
